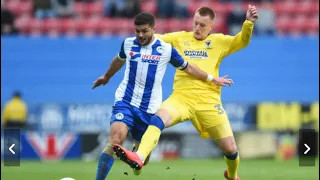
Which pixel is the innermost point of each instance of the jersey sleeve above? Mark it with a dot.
(122, 55)
(242, 39)
(177, 61)
(170, 37)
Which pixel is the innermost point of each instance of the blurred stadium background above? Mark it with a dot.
(52, 51)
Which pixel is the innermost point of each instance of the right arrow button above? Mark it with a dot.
(308, 148)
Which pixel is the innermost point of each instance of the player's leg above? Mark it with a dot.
(121, 123)
(223, 136)
(172, 111)
(118, 133)
(135, 147)
(213, 122)
(142, 120)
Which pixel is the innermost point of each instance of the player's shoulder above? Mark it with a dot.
(162, 43)
(165, 46)
(177, 34)
(217, 36)
(184, 34)
(129, 40)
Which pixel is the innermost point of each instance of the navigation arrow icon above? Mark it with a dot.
(10, 149)
(308, 149)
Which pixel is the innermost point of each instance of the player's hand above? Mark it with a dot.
(102, 80)
(222, 81)
(252, 13)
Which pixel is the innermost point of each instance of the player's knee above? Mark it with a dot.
(230, 150)
(164, 116)
(232, 156)
(157, 121)
(116, 139)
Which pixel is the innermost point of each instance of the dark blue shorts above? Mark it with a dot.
(136, 120)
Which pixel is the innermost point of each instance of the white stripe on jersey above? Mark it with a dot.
(145, 65)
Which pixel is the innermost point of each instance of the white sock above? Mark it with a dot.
(140, 156)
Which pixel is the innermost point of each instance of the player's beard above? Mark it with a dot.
(145, 40)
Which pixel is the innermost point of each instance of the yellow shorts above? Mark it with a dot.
(209, 118)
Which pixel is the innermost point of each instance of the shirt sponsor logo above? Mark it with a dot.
(194, 54)
(151, 59)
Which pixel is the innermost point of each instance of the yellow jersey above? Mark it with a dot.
(15, 110)
(207, 55)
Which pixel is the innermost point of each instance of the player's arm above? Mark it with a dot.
(116, 64)
(242, 39)
(170, 37)
(179, 62)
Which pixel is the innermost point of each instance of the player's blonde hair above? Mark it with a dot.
(206, 11)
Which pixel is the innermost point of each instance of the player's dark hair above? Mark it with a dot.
(144, 18)
(206, 11)
(16, 94)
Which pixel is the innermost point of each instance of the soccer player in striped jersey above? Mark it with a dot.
(139, 95)
(196, 100)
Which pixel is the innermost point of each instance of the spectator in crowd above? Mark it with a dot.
(114, 8)
(266, 25)
(7, 20)
(86, 1)
(121, 8)
(132, 8)
(15, 112)
(166, 8)
(181, 8)
(235, 19)
(43, 9)
(255, 1)
(231, 1)
(64, 8)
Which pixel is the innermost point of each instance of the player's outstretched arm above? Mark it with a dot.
(201, 75)
(242, 39)
(178, 62)
(115, 66)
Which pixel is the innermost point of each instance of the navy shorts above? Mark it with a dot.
(136, 120)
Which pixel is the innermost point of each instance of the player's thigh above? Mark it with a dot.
(122, 122)
(223, 136)
(227, 142)
(178, 109)
(211, 116)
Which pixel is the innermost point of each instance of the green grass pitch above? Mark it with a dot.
(164, 170)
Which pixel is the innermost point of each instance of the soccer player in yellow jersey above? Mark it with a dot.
(196, 100)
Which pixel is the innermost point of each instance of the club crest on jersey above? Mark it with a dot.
(196, 54)
(119, 116)
(160, 49)
(208, 44)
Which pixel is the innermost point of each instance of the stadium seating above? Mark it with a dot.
(293, 16)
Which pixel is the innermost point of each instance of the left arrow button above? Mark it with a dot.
(10, 149)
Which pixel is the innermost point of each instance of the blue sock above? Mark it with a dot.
(233, 156)
(156, 121)
(104, 165)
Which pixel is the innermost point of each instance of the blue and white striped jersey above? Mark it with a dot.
(145, 68)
